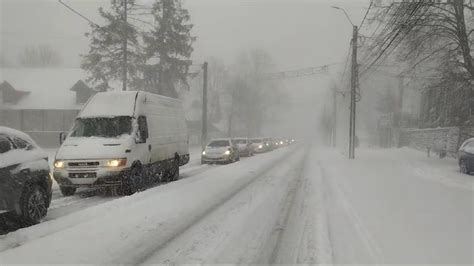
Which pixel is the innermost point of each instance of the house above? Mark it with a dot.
(42, 102)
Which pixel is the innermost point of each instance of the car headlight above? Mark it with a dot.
(116, 162)
(59, 164)
(203, 152)
(227, 152)
(281, 142)
(260, 146)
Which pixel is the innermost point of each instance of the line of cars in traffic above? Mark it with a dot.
(120, 143)
(229, 150)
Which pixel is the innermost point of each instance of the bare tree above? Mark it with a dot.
(253, 98)
(39, 56)
(433, 38)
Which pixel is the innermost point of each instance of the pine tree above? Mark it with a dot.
(168, 48)
(104, 62)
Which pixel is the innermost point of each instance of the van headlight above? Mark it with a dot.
(116, 162)
(59, 164)
(203, 152)
(227, 152)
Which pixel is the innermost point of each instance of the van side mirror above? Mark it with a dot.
(142, 134)
(62, 137)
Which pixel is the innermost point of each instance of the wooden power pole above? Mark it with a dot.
(204, 106)
(354, 81)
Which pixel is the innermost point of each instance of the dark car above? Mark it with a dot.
(270, 144)
(244, 145)
(25, 182)
(466, 156)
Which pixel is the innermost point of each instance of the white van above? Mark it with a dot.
(123, 140)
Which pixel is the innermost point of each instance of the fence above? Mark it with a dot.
(43, 126)
(440, 140)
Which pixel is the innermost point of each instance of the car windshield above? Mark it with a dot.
(240, 141)
(110, 127)
(256, 141)
(5, 144)
(219, 143)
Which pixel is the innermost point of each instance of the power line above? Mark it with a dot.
(399, 29)
(347, 61)
(366, 13)
(79, 14)
(304, 72)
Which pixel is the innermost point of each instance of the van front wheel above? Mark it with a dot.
(134, 181)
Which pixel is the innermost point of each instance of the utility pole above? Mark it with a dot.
(354, 81)
(334, 113)
(124, 46)
(401, 91)
(204, 106)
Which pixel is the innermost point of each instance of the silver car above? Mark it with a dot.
(220, 151)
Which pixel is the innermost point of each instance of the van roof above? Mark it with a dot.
(119, 103)
(108, 104)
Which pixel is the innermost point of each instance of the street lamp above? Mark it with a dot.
(345, 13)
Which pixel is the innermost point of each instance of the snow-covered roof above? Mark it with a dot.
(49, 88)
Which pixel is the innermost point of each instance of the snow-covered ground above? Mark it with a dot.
(293, 205)
(398, 206)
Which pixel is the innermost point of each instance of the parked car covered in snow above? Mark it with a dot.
(466, 156)
(125, 141)
(244, 146)
(220, 151)
(25, 182)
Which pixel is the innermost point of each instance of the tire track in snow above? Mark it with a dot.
(363, 233)
(145, 256)
(282, 223)
(307, 237)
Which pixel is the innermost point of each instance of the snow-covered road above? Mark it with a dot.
(130, 229)
(293, 205)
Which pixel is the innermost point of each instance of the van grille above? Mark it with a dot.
(82, 164)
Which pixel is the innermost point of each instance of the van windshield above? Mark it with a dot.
(106, 127)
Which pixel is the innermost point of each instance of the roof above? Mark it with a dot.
(50, 88)
(105, 104)
(80, 85)
(221, 139)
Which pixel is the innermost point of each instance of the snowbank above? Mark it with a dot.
(398, 206)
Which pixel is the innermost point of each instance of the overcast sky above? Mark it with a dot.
(298, 33)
